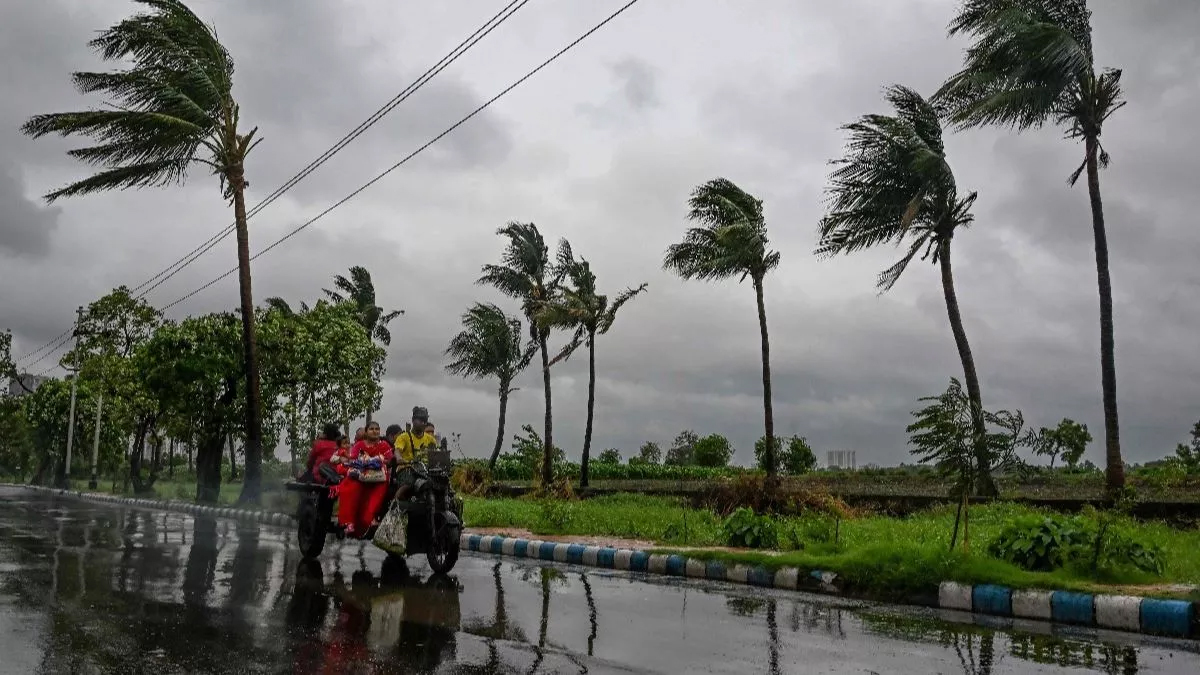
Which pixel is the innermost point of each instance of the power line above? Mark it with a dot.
(412, 88)
(171, 270)
(414, 153)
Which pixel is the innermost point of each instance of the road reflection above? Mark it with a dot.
(101, 589)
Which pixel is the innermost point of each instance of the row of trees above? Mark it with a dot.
(153, 379)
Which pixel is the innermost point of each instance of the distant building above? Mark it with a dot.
(841, 459)
(30, 382)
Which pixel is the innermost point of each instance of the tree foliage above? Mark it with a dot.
(794, 454)
(682, 450)
(649, 453)
(714, 450)
(1067, 441)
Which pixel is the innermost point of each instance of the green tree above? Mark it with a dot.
(943, 434)
(1188, 455)
(682, 450)
(650, 453)
(794, 454)
(193, 368)
(609, 456)
(1068, 440)
(578, 306)
(359, 291)
(47, 411)
(713, 450)
(174, 106)
(111, 331)
(526, 273)
(490, 345)
(730, 242)
(1031, 62)
(895, 185)
(529, 449)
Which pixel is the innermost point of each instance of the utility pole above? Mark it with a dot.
(96, 442)
(74, 387)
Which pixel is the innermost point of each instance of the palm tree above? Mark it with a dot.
(894, 185)
(732, 241)
(359, 290)
(580, 307)
(173, 107)
(526, 273)
(1032, 63)
(490, 346)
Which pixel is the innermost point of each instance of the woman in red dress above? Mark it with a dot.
(362, 491)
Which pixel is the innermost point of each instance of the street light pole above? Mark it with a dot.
(74, 388)
(96, 442)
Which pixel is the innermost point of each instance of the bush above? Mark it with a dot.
(471, 478)
(1040, 544)
(746, 529)
(794, 458)
(1052, 542)
(713, 450)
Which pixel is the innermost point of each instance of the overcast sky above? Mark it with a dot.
(602, 148)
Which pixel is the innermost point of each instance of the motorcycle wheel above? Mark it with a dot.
(443, 548)
(311, 529)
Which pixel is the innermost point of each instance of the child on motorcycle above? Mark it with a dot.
(361, 493)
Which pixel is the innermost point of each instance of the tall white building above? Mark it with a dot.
(841, 459)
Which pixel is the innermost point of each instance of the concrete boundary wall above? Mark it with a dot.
(1172, 618)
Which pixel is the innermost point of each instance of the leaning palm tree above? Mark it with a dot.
(490, 345)
(526, 273)
(1032, 63)
(359, 291)
(172, 106)
(589, 313)
(731, 242)
(895, 185)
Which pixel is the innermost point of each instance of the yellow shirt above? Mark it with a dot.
(410, 447)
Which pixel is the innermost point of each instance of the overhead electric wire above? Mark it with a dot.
(412, 154)
(171, 270)
(454, 54)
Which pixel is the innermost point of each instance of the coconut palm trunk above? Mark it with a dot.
(768, 412)
(1115, 466)
(548, 448)
(504, 391)
(252, 478)
(591, 409)
(984, 485)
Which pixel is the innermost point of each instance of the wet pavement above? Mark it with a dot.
(92, 588)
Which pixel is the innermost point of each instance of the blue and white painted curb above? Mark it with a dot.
(1173, 618)
(243, 515)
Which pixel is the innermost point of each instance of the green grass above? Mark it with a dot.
(877, 554)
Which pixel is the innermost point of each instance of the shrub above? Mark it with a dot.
(1040, 544)
(471, 478)
(746, 529)
(713, 450)
(794, 457)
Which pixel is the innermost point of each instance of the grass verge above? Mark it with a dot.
(883, 556)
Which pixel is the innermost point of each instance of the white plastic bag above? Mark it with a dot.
(392, 531)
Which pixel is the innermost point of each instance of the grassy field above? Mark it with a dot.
(876, 553)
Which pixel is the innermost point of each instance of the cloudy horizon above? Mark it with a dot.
(602, 148)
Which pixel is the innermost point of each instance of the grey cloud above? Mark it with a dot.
(848, 364)
(26, 228)
(638, 83)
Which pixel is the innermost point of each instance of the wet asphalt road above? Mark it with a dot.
(87, 588)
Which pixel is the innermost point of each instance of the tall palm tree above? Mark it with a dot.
(894, 184)
(173, 106)
(359, 290)
(578, 306)
(1032, 63)
(731, 242)
(526, 274)
(490, 345)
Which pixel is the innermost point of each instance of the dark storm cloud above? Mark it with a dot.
(26, 228)
(638, 83)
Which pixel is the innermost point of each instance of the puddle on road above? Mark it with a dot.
(110, 590)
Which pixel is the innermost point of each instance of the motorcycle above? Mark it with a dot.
(435, 521)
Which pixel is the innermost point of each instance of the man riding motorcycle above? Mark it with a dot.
(411, 446)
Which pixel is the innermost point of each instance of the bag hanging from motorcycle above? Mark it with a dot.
(392, 531)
